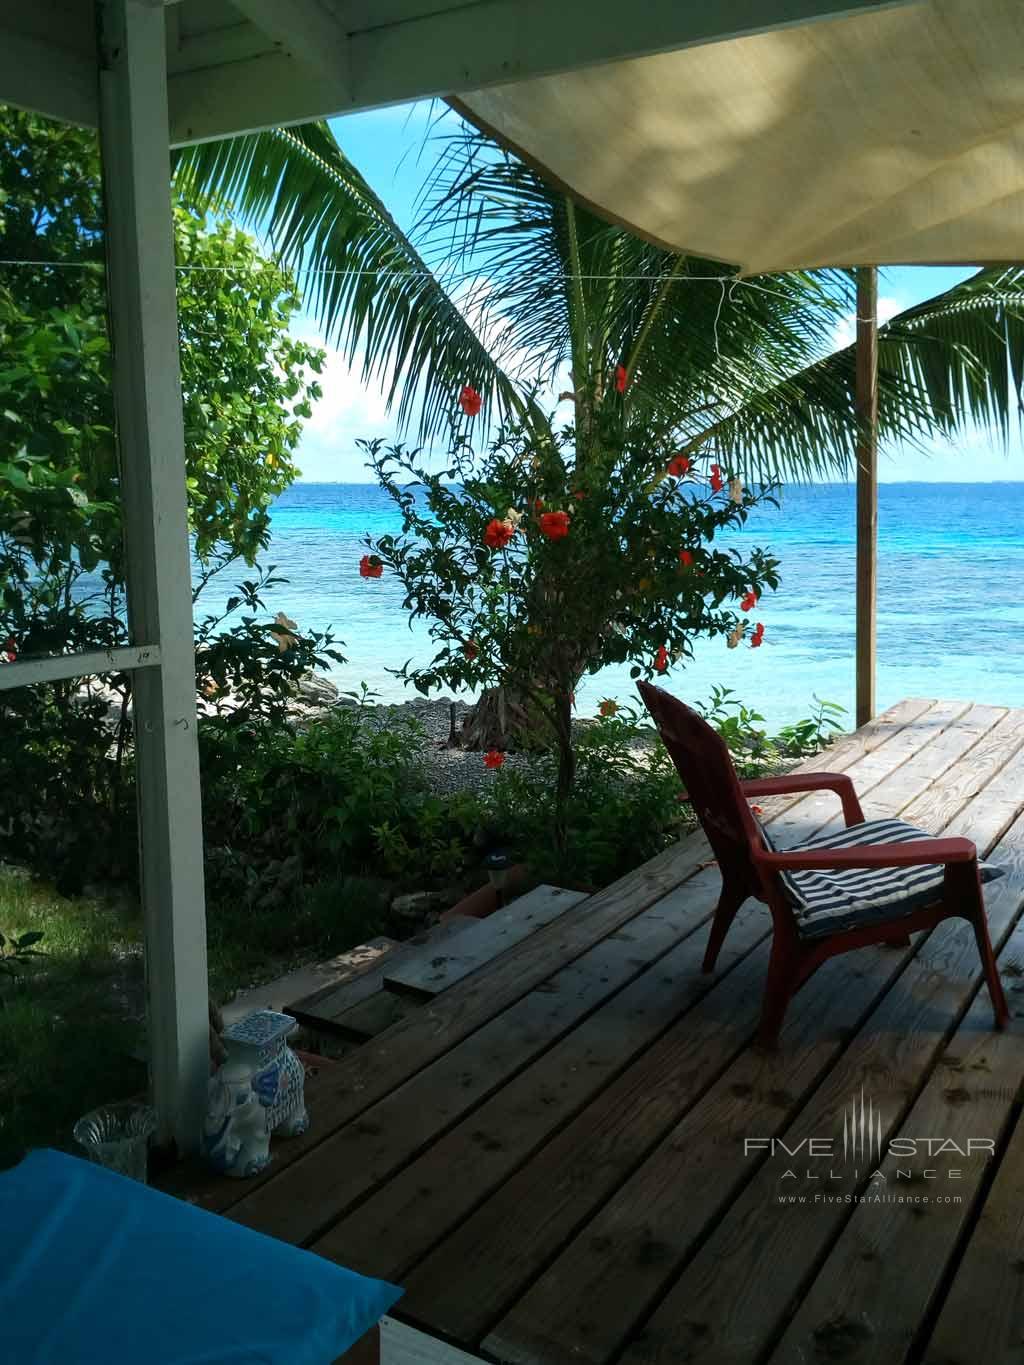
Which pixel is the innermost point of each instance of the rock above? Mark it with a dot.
(416, 904)
(96, 690)
(316, 690)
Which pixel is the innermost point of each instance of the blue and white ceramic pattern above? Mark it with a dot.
(258, 1091)
(236, 1139)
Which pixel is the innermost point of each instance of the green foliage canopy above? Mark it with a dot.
(247, 383)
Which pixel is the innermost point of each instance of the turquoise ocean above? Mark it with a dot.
(950, 600)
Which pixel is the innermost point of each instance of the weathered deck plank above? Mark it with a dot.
(983, 1316)
(465, 1154)
(550, 1154)
(381, 1066)
(629, 1251)
(762, 1255)
(880, 1281)
(428, 975)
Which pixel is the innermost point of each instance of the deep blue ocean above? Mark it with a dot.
(950, 602)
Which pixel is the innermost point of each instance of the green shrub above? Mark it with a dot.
(345, 795)
(814, 733)
(753, 751)
(624, 806)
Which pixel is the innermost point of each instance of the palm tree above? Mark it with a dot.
(745, 364)
(507, 283)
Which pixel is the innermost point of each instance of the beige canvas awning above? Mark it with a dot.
(895, 136)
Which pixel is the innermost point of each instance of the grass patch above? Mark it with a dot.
(70, 1020)
(249, 944)
(66, 1029)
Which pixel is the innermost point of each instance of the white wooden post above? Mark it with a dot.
(147, 387)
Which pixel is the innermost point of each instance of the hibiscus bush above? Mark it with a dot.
(625, 805)
(550, 553)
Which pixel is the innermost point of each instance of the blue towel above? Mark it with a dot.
(96, 1269)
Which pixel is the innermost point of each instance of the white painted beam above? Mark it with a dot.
(223, 46)
(243, 97)
(27, 672)
(498, 41)
(147, 390)
(301, 29)
(46, 79)
(463, 48)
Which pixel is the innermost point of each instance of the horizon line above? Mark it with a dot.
(795, 483)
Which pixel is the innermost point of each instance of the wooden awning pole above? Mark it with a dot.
(867, 487)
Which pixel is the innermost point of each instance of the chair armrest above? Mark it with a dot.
(809, 782)
(917, 853)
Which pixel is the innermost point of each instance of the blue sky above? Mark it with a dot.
(388, 147)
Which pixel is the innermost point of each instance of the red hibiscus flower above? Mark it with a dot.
(686, 559)
(370, 567)
(621, 378)
(758, 635)
(554, 525)
(749, 602)
(470, 649)
(679, 466)
(661, 660)
(493, 759)
(717, 482)
(608, 708)
(497, 534)
(470, 401)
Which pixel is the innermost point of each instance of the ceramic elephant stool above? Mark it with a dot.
(259, 1091)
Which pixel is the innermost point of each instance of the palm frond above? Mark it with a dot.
(366, 283)
(505, 283)
(951, 362)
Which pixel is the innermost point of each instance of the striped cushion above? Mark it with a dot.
(828, 902)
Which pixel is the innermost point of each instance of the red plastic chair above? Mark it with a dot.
(751, 867)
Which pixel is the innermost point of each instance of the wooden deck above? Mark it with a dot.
(553, 1156)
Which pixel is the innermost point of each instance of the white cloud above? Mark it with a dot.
(349, 410)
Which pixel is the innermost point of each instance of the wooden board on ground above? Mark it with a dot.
(426, 974)
(373, 1015)
(320, 1009)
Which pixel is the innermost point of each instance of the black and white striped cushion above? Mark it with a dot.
(828, 902)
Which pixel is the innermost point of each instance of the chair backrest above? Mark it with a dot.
(703, 762)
